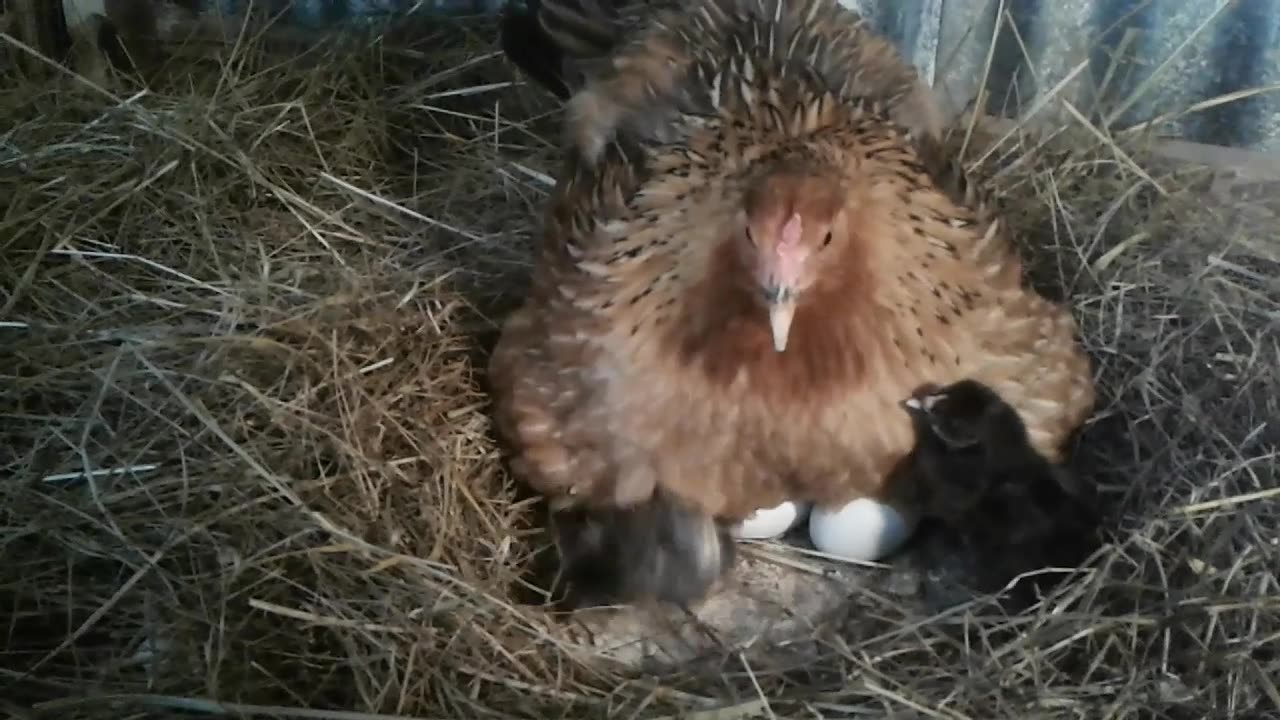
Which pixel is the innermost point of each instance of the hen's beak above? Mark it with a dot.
(781, 311)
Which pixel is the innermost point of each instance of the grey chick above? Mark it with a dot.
(654, 551)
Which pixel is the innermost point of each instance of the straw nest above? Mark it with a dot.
(247, 465)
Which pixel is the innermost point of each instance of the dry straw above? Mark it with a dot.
(248, 470)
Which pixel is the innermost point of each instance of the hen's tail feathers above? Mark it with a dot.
(580, 28)
(655, 551)
(550, 39)
(528, 46)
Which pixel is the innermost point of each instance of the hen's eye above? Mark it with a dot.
(827, 239)
(750, 238)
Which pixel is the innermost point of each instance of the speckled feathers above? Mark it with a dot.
(734, 58)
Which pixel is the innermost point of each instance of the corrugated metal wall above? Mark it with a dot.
(1129, 60)
(326, 12)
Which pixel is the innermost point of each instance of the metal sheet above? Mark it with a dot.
(317, 13)
(1136, 60)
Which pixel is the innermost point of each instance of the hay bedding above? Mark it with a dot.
(247, 458)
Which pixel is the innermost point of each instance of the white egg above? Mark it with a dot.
(769, 523)
(865, 530)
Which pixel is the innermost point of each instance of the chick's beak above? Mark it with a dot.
(921, 404)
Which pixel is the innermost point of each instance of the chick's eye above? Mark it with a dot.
(826, 240)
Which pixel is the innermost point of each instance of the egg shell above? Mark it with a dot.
(769, 523)
(863, 530)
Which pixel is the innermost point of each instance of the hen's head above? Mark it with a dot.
(792, 222)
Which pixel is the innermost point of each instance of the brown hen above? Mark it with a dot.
(751, 258)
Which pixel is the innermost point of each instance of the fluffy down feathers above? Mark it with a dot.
(974, 470)
(656, 550)
(644, 355)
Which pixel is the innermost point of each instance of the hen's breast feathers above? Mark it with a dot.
(633, 363)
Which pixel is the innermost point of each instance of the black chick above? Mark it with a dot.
(975, 471)
(615, 556)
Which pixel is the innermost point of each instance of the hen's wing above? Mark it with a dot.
(1031, 351)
